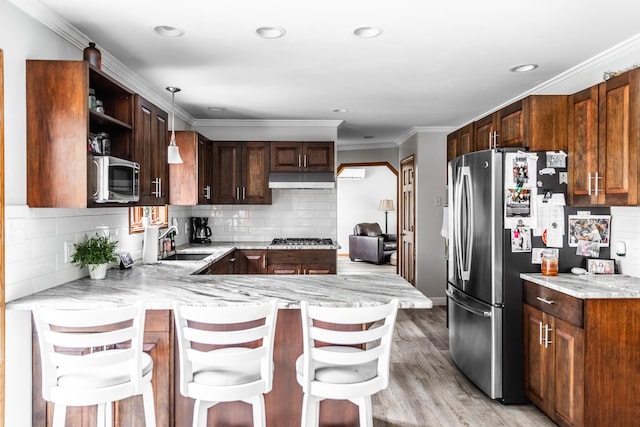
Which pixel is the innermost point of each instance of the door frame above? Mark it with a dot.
(389, 166)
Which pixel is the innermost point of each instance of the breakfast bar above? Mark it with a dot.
(160, 285)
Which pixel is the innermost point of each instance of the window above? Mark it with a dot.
(157, 215)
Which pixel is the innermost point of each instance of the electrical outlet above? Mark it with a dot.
(186, 228)
(68, 251)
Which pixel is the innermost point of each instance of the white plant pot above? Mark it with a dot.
(97, 271)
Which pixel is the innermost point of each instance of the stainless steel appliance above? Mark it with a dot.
(301, 241)
(484, 291)
(200, 231)
(112, 180)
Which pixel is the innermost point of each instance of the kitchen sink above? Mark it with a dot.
(185, 257)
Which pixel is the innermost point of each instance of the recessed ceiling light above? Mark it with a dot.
(367, 32)
(523, 68)
(340, 110)
(216, 109)
(168, 31)
(368, 136)
(270, 32)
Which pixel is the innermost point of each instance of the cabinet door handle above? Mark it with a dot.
(299, 161)
(305, 161)
(547, 341)
(597, 178)
(244, 193)
(540, 333)
(264, 261)
(157, 183)
(589, 184)
(546, 301)
(237, 193)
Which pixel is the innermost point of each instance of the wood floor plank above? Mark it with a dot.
(426, 389)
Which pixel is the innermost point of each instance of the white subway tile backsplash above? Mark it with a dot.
(34, 244)
(625, 227)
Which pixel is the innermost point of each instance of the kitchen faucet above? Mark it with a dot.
(169, 230)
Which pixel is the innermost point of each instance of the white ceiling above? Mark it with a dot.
(436, 64)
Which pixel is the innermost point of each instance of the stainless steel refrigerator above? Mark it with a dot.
(484, 290)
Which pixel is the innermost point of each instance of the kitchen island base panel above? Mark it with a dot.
(284, 402)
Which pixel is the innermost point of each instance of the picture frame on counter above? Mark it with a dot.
(601, 266)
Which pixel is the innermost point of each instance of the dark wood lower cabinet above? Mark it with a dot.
(301, 261)
(158, 343)
(582, 357)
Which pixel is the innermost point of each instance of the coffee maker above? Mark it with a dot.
(200, 231)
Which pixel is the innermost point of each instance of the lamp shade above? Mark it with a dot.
(386, 205)
(173, 154)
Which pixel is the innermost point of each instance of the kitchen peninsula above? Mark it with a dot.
(159, 285)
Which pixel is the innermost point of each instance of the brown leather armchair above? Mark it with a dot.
(369, 243)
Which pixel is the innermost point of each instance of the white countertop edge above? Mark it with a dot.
(589, 286)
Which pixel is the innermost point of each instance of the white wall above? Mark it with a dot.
(625, 228)
(430, 154)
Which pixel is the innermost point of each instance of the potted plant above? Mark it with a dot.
(96, 253)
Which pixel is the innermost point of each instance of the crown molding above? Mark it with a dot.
(110, 65)
(626, 47)
(265, 123)
(423, 129)
(356, 147)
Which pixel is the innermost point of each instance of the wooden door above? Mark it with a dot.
(465, 139)
(227, 172)
(150, 151)
(205, 171)
(255, 170)
(619, 106)
(407, 213)
(318, 157)
(286, 156)
(483, 133)
(568, 373)
(583, 146)
(537, 379)
(510, 126)
(452, 146)
(252, 261)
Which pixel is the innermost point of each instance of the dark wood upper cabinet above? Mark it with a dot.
(192, 180)
(291, 156)
(603, 142)
(537, 122)
(241, 173)
(150, 151)
(58, 126)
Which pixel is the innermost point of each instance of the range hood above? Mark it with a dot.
(302, 180)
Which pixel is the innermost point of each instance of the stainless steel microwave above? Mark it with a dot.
(113, 180)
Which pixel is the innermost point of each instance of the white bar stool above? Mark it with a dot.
(94, 357)
(226, 365)
(344, 365)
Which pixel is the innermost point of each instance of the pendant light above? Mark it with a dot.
(173, 152)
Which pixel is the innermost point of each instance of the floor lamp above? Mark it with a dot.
(386, 205)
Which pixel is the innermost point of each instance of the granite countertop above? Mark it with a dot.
(589, 286)
(159, 285)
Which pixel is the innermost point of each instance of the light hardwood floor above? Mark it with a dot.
(426, 389)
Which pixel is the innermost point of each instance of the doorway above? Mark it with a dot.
(360, 188)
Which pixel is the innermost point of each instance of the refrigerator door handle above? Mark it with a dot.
(467, 195)
(476, 311)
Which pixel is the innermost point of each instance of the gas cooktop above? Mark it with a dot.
(302, 241)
